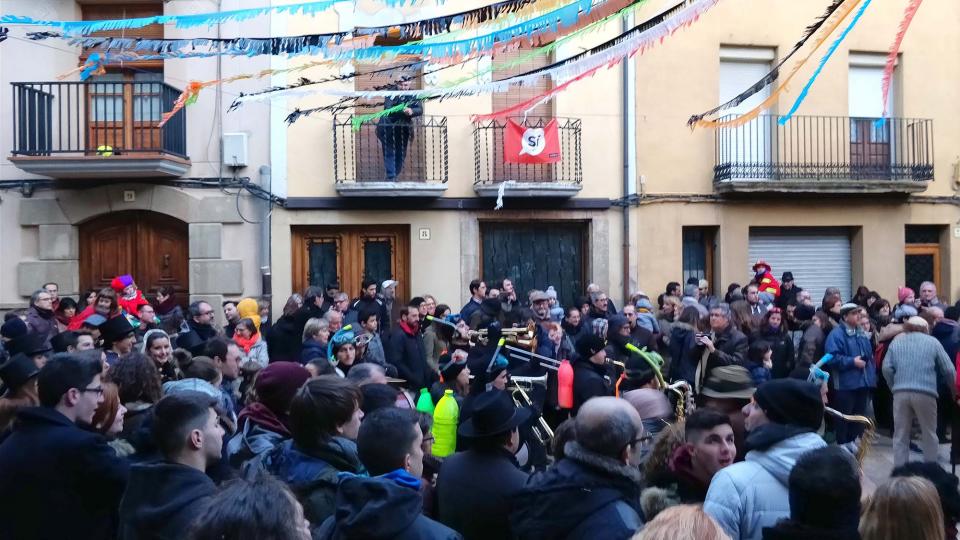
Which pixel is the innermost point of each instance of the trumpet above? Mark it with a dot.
(869, 432)
(523, 337)
(518, 388)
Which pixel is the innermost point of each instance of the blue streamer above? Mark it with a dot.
(181, 21)
(823, 61)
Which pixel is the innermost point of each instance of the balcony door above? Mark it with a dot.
(870, 143)
(123, 109)
(152, 247)
(326, 254)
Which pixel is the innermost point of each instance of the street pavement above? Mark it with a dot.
(879, 461)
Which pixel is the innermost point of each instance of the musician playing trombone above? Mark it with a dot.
(589, 372)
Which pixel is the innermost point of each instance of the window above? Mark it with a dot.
(921, 259)
(698, 253)
(741, 67)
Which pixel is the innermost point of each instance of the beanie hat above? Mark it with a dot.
(248, 309)
(589, 345)
(551, 292)
(13, 328)
(277, 383)
(120, 283)
(804, 312)
(191, 385)
(449, 368)
(791, 402)
(903, 293)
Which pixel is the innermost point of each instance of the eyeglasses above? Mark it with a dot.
(97, 390)
(639, 442)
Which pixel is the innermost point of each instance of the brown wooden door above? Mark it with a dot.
(151, 247)
(323, 254)
(870, 147)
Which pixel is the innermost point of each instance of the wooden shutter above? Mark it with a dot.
(519, 94)
(98, 12)
(367, 80)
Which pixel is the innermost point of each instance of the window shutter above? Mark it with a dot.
(98, 12)
(519, 94)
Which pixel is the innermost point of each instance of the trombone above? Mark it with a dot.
(518, 388)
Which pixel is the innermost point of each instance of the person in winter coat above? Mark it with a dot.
(369, 325)
(287, 338)
(760, 362)
(260, 507)
(911, 367)
(324, 421)
(708, 447)
(129, 296)
(387, 505)
(41, 319)
(774, 331)
(58, 480)
(264, 424)
(156, 346)
(824, 490)
(682, 348)
(855, 373)
(405, 351)
(456, 377)
(814, 338)
(316, 336)
(766, 283)
(594, 491)
(163, 499)
(254, 349)
(368, 302)
(572, 324)
(641, 323)
(947, 331)
(437, 339)
(589, 371)
(723, 346)
(474, 487)
(781, 421)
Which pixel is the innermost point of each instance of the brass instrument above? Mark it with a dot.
(527, 356)
(520, 337)
(518, 387)
(869, 432)
(685, 402)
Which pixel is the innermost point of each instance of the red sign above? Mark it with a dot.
(523, 144)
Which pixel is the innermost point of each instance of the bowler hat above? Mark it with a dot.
(16, 371)
(729, 382)
(115, 329)
(493, 413)
(787, 276)
(30, 344)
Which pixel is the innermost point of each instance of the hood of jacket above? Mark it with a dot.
(679, 328)
(299, 469)
(378, 507)
(158, 494)
(580, 484)
(944, 330)
(779, 458)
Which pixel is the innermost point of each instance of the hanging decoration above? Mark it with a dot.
(526, 145)
(823, 61)
(832, 24)
(891, 62)
(182, 21)
(774, 73)
(3, 33)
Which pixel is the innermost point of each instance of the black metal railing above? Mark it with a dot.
(386, 151)
(91, 118)
(825, 148)
(490, 167)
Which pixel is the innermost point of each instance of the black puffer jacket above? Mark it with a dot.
(584, 496)
(588, 382)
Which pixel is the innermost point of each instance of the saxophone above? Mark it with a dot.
(683, 392)
(869, 432)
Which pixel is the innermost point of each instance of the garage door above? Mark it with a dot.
(818, 257)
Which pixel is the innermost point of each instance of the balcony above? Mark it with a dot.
(555, 180)
(98, 130)
(825, 154)
(417, 152)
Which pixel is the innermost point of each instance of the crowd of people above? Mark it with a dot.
(682, 414)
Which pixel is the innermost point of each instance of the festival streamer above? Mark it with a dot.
(638, 39)
(908, 15)
(823, 61)
(827, 29)
(774, 73)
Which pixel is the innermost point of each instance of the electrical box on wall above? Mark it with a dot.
(235, 149)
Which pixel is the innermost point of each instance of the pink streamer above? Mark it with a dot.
(908, 14)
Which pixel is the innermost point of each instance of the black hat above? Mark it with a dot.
(16, 371)
(589, 345)
(449, 368)
(493, 413)
(787, 276)
(13, 328)
(115, 329)
(791, 402)
(490, 307)
(333, 285)
(29, 344)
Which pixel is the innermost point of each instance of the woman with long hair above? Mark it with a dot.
(65, 312)
(904, 507)
(741, 317)
(773, 331)
(438, 338)
(106, 304)
(831, 306)
(156, 345)
(108, 419)
(139, 386)
(247, 337)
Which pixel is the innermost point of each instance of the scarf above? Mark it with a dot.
(410, 329)
(260, 414)
(246, 343)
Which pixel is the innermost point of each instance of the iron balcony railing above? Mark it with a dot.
(825, 148)
(490, 167)
(389, 151)
(91, 118)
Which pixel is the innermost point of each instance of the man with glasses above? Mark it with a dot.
(201, 328)
(724, 344)
(54, 291)
(58, 480)
(41, 319)
(594, 491)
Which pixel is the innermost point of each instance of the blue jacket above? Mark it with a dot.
(313, 350)
(748, 496)
(845, 346)
(57, 480)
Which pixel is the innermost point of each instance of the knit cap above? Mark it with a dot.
(278, 382)
(903, 293)
(791, 402)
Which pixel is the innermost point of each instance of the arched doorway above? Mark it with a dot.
(152, 247)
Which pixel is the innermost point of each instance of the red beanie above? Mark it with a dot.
(278, 383)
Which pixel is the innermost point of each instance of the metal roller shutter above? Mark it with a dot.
(818, 257)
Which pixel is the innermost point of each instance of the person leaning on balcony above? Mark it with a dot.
(395, 129)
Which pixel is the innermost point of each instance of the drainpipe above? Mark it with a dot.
(266, 283)
(629, 153)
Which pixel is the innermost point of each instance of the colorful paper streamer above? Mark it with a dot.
(891, 62)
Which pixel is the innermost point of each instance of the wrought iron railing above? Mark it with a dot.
(91, 118)
(825, 148)
(489, 165)
(388, 151)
